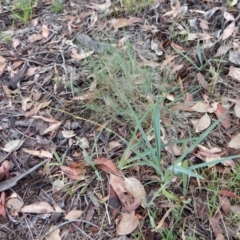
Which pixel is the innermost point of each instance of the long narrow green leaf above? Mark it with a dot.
(206, 164)
(201, 137)
(157, 133)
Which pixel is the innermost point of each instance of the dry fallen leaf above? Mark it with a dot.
(54, 234)
(128, 223)
(38, 207)
(228, 16)
(234, 73)
(80, 56)
(75, 171)
(107, 165)
(175, 6)
(237, 109)
(210, 155)
(202, 81)
(3, 64)
(228, 31)
(235, 142)
(123, 22)
(225, 204)
(113, 144)
(68, 133)
(14, 203)
(219, 112)
(136, 189)
(74, 215)
(45, 31)
(26, 103)
(53, 127)
(39, 153)
(202, 123)
(13, 145)
(34, 37)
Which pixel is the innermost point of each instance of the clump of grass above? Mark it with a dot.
(7, 38)
(23, 10)
(57, 6)
(136, 5)
(119, 76)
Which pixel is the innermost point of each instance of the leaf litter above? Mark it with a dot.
(48, 85)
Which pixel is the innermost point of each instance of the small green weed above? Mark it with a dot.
(6, 37)
(23, 10)
(135, 5)
(57, 6)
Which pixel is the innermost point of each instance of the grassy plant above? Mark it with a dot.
(60, 159)
(135, 5)
(23, 10)
(57, 6)
(119, 75)
(6, 37)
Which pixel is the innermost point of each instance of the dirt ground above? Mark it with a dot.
(76, 161)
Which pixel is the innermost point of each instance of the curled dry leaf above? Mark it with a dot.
(225, 204)
(123, 22)
(75, 171)
(201, 124)
(135, 187)
(54, 234)
(34, 37)
(68, 133)
(234, 73)
(235, 142)
(237, 109)
(14, 203)
(13, 145)
(74, 215)
(210, 155)
(128, 223)
(219, 112)
(85, 97)
(175, 6)
(38, 207)
(107, 166)
(228, 194)
(222, 50)
(228, 16)
(39, 153)
(2, 204)
(84, 142)
(3, 64)
(81, 56)
(45, 31)
(228, 31)
(113, 144)
(202, 81)
(53, 127)
(26, 103)
(118, 186)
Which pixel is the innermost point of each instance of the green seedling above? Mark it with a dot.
(135, 5)
(6, 37)
(23, 10)
(58, 6)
